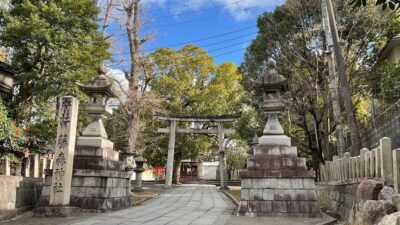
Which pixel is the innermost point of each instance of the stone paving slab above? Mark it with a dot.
(271, 221)
(188, 204)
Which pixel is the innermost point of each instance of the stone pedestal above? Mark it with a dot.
(99, 182)
(276, 182)
(97, 190)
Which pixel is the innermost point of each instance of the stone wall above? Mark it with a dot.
(18, 192)
(349, 185)
(360, 201)
(338, 198)
(209, 171)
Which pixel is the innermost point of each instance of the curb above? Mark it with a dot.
(13, 213)
(155, 196)
(144, 200)
(230, 196)
(328, 220)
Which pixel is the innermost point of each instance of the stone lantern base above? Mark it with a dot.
(57, 211)
(99, 182)
(276, 182)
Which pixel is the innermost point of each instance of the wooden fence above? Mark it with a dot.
(31, 166)
(381, 163)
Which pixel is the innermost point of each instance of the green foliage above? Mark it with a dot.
(11, 137)
(5, 123)
(236, 155)
(189, 83)
(2, 55)
(285, 35)
(55, 44)
(391, 4)
(251, 123)
(389, 73)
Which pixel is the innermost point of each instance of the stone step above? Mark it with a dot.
(275, 140)
(291, 208)
(275, 151)
(272, 164)
(278, 174)
(96, 152)
(269, 184)
(91, 163)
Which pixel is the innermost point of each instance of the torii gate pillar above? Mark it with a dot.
(171, 150)
(222, 158)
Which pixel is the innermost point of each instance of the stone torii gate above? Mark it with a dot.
(173, 130)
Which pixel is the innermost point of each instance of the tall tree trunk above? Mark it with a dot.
(344, 85)
(177, 170)
(133, 12)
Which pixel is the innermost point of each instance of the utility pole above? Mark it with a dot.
(333, 86)
(344, 84)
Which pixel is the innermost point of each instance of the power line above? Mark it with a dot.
(212, 50)
(205, 39)
(200, 59)
(189, 42)
(227, 40)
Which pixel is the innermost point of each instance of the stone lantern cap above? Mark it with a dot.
(271, 81)
(99, 85)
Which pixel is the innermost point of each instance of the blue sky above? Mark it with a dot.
(174, 22)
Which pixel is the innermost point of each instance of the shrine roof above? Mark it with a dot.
(7, 68)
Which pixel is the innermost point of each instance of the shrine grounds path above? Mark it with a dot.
(187, 204)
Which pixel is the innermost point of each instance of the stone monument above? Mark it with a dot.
(60, 188)
(276, 182)
(99, 180)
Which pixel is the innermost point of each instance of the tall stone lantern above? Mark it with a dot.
(276, 182)
(99, 90)
(272, 85)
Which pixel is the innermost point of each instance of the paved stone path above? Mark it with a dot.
(189, 204)
(201, 205)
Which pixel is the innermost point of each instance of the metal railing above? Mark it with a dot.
(386, 124)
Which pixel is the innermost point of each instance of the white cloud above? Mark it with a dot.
(249, 8)
(120, 86)
(238, 9)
